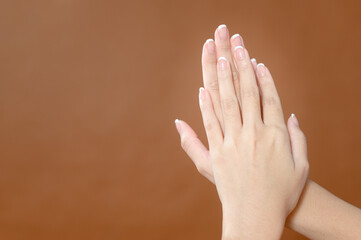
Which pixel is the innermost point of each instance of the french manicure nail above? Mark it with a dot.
(209, 40)
(237, 40)
(222, 63)
(239, 52)
(235, 36)
(293, 116)
(261, 69)
(210, 46)
(201, 89)
(201, 95)
(222, 31)
(178, 126)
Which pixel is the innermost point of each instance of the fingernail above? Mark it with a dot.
(237, 40)
(222, 31)
(261, 69)
(178, 125)
(222, 63)
(235, 35)
(293, 116)
(210, 46)
(239, 52)
(253, 60)
(201, 95)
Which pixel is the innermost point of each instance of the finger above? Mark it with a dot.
(229, 102)
(210, 80)
(236, 40)
(271, 103)
(254, 65)
(210, 121)
(298, 144)
(223, 48)
(195, 149)
(250, 102)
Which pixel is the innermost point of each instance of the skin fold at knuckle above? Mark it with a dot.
(270, 101)
(250, 94)
(229, 104)
(304, 168)
(186, 143)
(201, 169)
(208, 126)
(213, 85)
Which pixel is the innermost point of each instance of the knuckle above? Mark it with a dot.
(186, 143)
(270, 101)
(201, 169)
(279, 134)
(213, 85)
(250, 134)
(208, 126)
(224, 46)
(305, 168)
(243, 64)
(229, 104)
(250, 94)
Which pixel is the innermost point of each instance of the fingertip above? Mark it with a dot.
(261, 69)
(221, 33)
(254, 64)
(201, 96)
(210, 46)
(222, 63)
(209, 41)
(293, 120)
(237, 40)
(178, 126)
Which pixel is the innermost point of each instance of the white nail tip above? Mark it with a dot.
(221, 26)
(177, 121)
(201, 89)
(292, 115)
(253, 60)
(238, 47)
(260, 64)
(222, 58)
(209, 40)
(235, 35)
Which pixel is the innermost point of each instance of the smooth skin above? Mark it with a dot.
(258, 164)
(258, 176)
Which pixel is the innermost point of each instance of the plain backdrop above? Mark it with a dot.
(89, 91)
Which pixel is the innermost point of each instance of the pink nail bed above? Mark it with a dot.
(239, 52)
(261, 69)
(222, 62)
(222, 31)
(210, 45)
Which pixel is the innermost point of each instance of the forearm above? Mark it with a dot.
(321, 215)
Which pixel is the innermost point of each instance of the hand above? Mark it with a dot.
(258, 176)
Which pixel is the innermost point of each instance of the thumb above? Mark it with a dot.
(195, 149)
(298, 144)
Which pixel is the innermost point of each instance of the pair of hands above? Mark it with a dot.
(257, 161)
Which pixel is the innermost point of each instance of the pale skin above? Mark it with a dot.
(258, 162)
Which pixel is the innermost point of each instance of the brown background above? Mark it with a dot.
(89, 91)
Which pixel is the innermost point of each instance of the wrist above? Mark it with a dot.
(252, 224)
